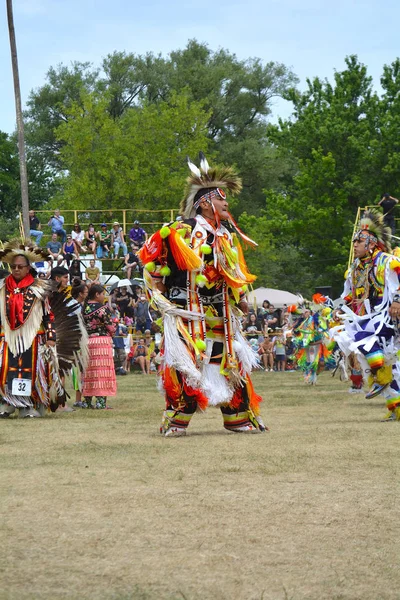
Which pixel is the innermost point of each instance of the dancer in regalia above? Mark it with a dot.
(197, 277)
(313, 347)
(371, 313)
(39, 336)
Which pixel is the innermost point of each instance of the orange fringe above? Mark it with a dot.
(255, 399)
(185, 258)
(196, 395)
(151, 249)
(173, 388)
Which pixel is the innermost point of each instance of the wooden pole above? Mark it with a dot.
(20, 123)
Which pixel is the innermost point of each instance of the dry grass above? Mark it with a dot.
(97, 505)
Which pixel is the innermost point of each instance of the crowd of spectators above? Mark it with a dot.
(107, 241)
(67, 248)
(269, 334)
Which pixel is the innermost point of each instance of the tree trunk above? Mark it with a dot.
(20, 123)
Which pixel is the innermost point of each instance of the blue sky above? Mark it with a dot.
(311, 36)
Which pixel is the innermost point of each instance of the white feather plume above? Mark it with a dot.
(204, 166)
(195, 170)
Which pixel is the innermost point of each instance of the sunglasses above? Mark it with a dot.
(18, 267)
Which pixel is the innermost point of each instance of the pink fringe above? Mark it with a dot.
(99, 377)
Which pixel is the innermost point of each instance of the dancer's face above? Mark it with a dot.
(19, 268)
(363, 245)
(220, 204)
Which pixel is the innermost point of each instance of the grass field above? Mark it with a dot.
(98, 505)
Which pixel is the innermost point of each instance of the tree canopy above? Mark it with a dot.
(117, 135)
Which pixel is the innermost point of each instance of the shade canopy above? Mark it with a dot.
(276, 297)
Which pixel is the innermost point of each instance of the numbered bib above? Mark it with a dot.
(21, 387)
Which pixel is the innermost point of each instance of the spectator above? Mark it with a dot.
(79, 237)
(119, 349)
(56, 223)
(69, 249)
(271, 318)
(280, 350)
(92, 273)
(54, 247)
(90, 237)
(104, 239)
(139, 356)
(264, 310)
(132, 261)
(266, 351)
(118, 240)
(388, 203)
(75, 270)
(138, 235)
(252, 327)
(35, 227)
(61, 276)
(123, 301)
(142, 315)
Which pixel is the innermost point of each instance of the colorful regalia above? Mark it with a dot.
(99, 377)
(313, 347)
(367, 329)
(203, 276)
(31, 370)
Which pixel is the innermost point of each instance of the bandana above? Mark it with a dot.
(16, 302)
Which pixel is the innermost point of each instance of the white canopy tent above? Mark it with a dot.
(276, 297)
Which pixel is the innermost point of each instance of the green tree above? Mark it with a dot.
(137, 160)
(236, 95)
(10, 198)
(332, 142)
(47, 108)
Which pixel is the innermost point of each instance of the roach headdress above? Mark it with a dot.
(373, 224)
(16, 247)
(205, 180)
(208, 183)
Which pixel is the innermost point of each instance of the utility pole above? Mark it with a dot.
(20, 124)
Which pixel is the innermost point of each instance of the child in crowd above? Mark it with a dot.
(266, 351)
(280, 350)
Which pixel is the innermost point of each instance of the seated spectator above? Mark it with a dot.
(131, 261)
(139, 356)
(56, 223)
(252, 327)
(35, 227)
(90, 238)
(79, 238)
(264, 310)
(69, 249)
(92, 273)
(138, 235)
(75, 269)
(118, 239)
(104, 241)
(55, 247)
(266, 351)
(272, 318)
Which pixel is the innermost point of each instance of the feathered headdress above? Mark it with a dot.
(373, 223)
(202, 181)
(18, 247)
(206, 183)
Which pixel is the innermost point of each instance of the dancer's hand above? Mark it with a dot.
(50, 343)
(394, 310)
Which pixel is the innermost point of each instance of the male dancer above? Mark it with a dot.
(197, 276)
